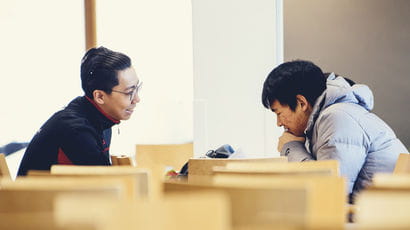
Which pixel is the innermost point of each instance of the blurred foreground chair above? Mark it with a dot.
(279, 202)
(385, 204)
(199, 210)
(28, 203)
(201, 170)
(402, 164)
(173, 155)
(121, 160)
(327, 167)
(4, 169)
(138, 180)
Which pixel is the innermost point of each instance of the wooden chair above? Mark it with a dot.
(386, 203)
(328, 167)
(174, 155)
(199, 210)
(27, 203)
(383, 209)
(22, 194)
(402, 164)
(201, 170)
(4, 169)
(273, 201)
(137, 180)
(121, 160)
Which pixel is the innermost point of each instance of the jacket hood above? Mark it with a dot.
(339, 91)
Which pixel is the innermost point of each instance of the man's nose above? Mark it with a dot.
(278, 122)
(136, 99)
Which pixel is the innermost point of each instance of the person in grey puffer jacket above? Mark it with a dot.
(327, 118)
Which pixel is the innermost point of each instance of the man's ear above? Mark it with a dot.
(99, 96)
(303, 102)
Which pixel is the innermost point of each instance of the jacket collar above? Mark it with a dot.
(95, 114)
(102, 111)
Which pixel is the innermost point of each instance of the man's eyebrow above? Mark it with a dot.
(131, 87)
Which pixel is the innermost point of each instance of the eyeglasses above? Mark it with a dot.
(132, 93)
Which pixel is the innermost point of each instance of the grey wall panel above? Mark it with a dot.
(367, 41)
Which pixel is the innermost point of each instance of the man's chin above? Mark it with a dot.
(126, 118)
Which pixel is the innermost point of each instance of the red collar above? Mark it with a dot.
(101, 111)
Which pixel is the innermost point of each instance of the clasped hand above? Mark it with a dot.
(288, 137)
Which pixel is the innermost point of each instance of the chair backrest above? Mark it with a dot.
(121, 160)
(201, 170)
(140, 187)
(37, 194)
(402, 164)
(389, 181)
(199, 210)
(385, 204)
(329, 167)
(174, 155)
(273, 202)
(4, 169)
(28, 203)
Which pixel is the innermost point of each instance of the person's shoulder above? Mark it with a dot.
(340, 116)
(341, 110)
(68, 119)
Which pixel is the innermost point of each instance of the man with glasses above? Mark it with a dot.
(80, 134)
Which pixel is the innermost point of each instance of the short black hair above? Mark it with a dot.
(99, 69)
(290, 79)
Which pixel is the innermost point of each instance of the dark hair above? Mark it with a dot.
(350, 81)
(99, 69)
(290, 79)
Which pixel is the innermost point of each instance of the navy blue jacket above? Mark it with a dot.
(80, 134)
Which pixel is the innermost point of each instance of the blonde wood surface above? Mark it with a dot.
(159, 157)
(138, 180)
(132, 189)
(35, 221)
(384, 181)
(385, 204)
(383, 209)
(327, 200)
(121, 160)
(200, 211)
(402, 164)
(312, 202)
(38, 173)
(27, 203)
(204, 170)
(36, 195)
(329, 167)
(4, 169)
(174, 155)
(204, 166)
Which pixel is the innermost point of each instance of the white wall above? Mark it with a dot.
(157, 35)
(232, 42)
(235, 47)
(39, 61)
(42, 43)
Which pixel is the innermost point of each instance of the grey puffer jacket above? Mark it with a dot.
(342, 127)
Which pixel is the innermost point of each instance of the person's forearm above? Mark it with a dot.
(296, 151)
